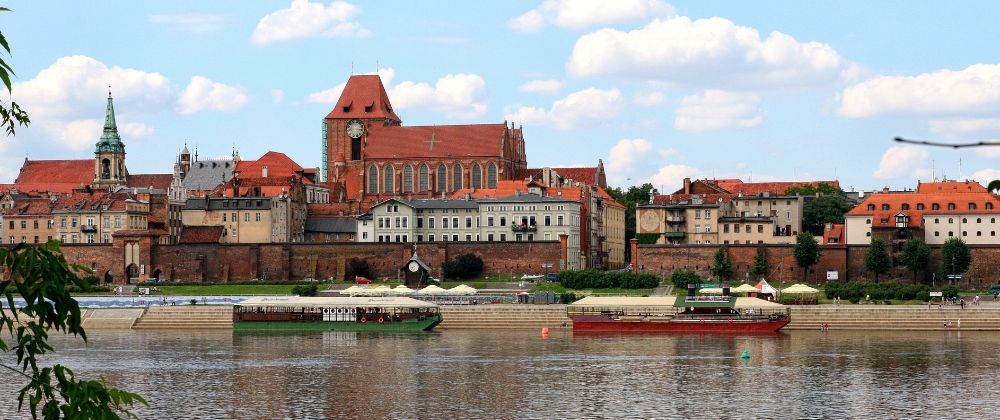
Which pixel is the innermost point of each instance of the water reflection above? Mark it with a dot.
(519, 374)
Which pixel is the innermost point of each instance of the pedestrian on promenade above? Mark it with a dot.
(944, 323)
(959, 323)
(962, 302)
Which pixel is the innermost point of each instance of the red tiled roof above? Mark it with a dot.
(475, 140)
(361, 91)
(679, 198)
(962, 194)
(30, 207)
(201, 234)
(836, 231)
(159, 181)
(508, 188)
(332, 209)
(607, 198)
(278, 165)
(56, 175)
(585, 175)
(114, 201)
(736, 186)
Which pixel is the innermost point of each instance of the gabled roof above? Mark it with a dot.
(55, 175)
(737, 186)
(435, 141)
(587, 175)
(278, 165)
(364, 97)
(205, 175)
(201, 234)
(157, 181)
(30, 207)
(836, 231)
(608, 201)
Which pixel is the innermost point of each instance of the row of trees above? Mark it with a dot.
(914, 255)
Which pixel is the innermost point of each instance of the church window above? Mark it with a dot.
(477, 176)
(456, 177)
(388, 177)
(422, 182)
(373, 179)
(407, 179)
(491, 176)
(105, 169)
(442, 178)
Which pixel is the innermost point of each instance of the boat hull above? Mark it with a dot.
(402, 326)
(601, 323)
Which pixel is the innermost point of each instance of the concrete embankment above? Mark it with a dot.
(458, 317)
(898, 318)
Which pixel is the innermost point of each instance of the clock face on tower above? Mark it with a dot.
(355, 129)
(414, 266)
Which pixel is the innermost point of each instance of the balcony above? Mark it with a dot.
(673, 234)
(88, 228)
(676, 219)
(523, 228)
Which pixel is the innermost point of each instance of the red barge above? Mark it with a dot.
(664, 314)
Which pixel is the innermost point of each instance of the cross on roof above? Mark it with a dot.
(432, 141)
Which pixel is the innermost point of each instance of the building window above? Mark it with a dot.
(989, 206)
(871, 207)
(444, 223)
(373, 179)
(972, 206)
(489, 237)
(905, 206)
(951, 220)
(503, 237)
(430, 223)
(936, 220)
(950, 233)
(965, 233)
(920, 206)
(748, 229)
(456, 177)
(870, 234)
(559, 220)
(760, 228)
(697, 228)
(885, 207)
(407, 179)
(697, 214)
(24, 224)
(935, 206)
(736, 228)
(246, 217)
(979, 233)
(442, 178)
(468, 238)
(548, 220)
(90, 238)
(978, 221)
(223, 217)
(454, 222)
(503, 220)
(48, 223)
(420, 223)
(491, 176)
(964, 220)
(234, 232)
(725, 228)
(935, 234)
(389, 180)
(468, 222)
(708, 214)
(257, 216)
(477, 176)
(107, 238)
(62, 223)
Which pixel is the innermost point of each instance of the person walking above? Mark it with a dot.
(962, 303)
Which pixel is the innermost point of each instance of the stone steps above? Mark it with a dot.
(871, 317)
(186, 317)
(504, 317)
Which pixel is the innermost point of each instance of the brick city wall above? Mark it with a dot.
(847, 261)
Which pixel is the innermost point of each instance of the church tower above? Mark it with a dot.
(109, 162)
(362, 104)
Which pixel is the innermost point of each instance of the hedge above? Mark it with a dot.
(855, 292)
(593, 279)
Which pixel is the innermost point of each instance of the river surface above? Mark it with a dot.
(520, 374)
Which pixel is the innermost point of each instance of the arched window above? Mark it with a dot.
(442, 178)
(373, 179)
(972, 206)
(477, 176)
(951, 206)
(407, 179)
(456, 177)
(422, 184)
(935, 206)
(989, 206)
(491, 176)
(388, 178)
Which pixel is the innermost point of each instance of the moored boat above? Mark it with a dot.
(293, 313)
(708, 314)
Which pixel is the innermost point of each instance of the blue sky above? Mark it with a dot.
(762, 91)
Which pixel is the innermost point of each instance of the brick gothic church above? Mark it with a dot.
(368, 155)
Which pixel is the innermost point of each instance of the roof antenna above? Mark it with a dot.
(376, 66)
(352, 68)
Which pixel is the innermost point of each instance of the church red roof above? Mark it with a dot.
(364, 97)
(55, 175)
(436, 141)
(159, 181)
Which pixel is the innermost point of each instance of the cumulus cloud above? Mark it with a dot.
(986, 176)
(459, 96)
(717, 109)
(673, 175)
(990, 152)
(577, 110)
(134, 129)
(305, 19)
(192, 22)
(542, 86)
(630, 158)
(277, 95)
(329, 96)
(974, 91)
(708, 53)
(904, 161)
(203, 94)
(649, 99)
(584, 13)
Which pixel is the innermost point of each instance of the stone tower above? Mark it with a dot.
(109, 162)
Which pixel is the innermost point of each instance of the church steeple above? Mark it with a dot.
(109, 165)
(110, 141)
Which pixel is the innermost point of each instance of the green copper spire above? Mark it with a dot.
(110, 141)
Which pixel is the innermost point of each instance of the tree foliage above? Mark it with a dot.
(682, 278)
(994, 186)
(10, 113)
(593, 279)
(357, 268)
(463, 267)
(877, 258)
(820, 188)
(806, 252)
(630, 198)
(759, 263)
(916, 255)
(854, 292)
(40, 276)
(955, 257)
(305, 290)
(723, 268)
(820, 211)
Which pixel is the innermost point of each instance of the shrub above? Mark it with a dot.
(593, 279)
(357, 268)
(875, 291)
(92, 279)
(681, 278)
(567, 297)
(463, 267)
(305, 290)
(949, 291)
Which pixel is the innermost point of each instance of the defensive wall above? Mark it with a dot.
(846, 260)
(242, 262)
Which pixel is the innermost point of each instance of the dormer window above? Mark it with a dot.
(368, 108)
(951, 206)
(885, 207)
(920, 206)
(902, 220)
(935, 206)
(906, 207)
(871, 207)
(989, 206)
(972, 206)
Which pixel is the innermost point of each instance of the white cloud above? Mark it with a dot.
(203, 94)
(278, 95)
(460, 96)
(986, 176)
(193, 22)
(584, 13)
(903, 161)
(964, 126)
(542, 86)
(76, 135)
(717, 110)
(134, 129)
(304, 19)
(329, 96)
(974, 91)
(629, 158)
(577, 110)
(990, 152)
(708, 53)
(649, 99)
(673, 175)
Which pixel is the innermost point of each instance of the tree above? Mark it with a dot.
(11, 113)
(463, 267)
(955, 257)
(759, 263)
(630, 198)
(994, 186)
(820, 211)
(821, 188)
(915, 256)
(877, 259)
(40, 276)
(357, 268)
(723, 268)
(806, 252)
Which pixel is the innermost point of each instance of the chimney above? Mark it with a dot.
(687, 185)
(829, 226)
(263, 172)
(885, 190)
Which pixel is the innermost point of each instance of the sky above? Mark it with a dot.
(760, 91)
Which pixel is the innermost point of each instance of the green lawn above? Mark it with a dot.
(230, 289)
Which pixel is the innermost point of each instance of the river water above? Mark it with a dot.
(520, 374)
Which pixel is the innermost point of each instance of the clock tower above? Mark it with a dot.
(362, 104)
(109, 162)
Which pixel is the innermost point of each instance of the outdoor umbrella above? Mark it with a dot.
(745, 288)
(463, 290)
(800, 289)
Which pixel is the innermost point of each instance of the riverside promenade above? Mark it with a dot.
(983, 317)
